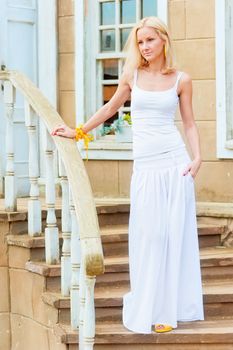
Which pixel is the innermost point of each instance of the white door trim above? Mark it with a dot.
(223, 151)
(47, 62)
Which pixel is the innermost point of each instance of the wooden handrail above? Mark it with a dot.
(92, 252)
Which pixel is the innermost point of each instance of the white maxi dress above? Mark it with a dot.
(164, 262)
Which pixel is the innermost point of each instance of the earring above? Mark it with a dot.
(164, 50)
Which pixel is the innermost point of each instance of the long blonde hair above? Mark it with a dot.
(134, 58)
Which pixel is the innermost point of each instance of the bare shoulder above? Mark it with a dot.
(185, 84)
(185, 78)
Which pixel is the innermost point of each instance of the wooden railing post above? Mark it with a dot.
(1, 180)
(66, 233)
(82, 305)
(34, 206)
(89, 314)
(51, 230)
(10, 179)
(75, 267)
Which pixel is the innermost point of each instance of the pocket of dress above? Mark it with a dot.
(190, 176)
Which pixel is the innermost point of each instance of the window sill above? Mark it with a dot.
(107, 149)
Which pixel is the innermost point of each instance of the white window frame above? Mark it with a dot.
(85, 23)
(224, 146)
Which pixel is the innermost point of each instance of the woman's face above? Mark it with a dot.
(150, 44)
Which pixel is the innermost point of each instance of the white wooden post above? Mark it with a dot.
(10, 180)
(66, 233)
(89, 314)
(1, 180)
(82, 306)
(51, 230)
(75, 263)
(34, 206)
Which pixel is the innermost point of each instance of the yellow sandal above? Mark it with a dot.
(166, 328)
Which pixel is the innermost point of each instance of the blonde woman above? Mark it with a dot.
(165, 276)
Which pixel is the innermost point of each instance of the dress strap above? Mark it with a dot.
(178, 78)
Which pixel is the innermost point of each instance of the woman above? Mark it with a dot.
(165, 276)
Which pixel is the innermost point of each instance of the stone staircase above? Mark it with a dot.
(35, 291)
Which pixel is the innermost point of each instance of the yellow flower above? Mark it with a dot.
(80, 134)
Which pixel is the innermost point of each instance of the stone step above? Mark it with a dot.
(201, 335)
(111, 211)
(207, 212)
(206, 208)
(23, 248)
(114, 240)
(217, 298)
(216, 265)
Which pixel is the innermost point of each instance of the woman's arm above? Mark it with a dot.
(105, 112)
(189, 124)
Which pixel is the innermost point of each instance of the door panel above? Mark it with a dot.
(18, 27)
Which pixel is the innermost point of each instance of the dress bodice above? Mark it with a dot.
(153, 115)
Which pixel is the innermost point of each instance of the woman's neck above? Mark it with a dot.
(156, 66)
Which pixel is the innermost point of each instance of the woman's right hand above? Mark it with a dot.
(64, 131)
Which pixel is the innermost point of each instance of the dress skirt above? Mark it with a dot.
(164, 261)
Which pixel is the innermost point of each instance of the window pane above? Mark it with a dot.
(127, 103)
(110, 69)
(149, 8)
(111, 120)
(108, 92)
(107, 12)
(124, 36)
(107, 40)
(128, 11)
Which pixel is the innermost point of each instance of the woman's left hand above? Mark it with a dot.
(193, 168)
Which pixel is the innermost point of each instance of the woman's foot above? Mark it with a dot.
(161, 328)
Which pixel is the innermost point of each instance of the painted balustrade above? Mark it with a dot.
(34, 205)
(51, 230)
(82, 306)
(1, 179)
(89, 313)
(75, 268)
(66, 233)
(10, 178)
(82, 254)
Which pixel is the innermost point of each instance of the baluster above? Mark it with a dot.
(89, 314)
(75, 266)
(1, 180)
(66, 233)
(82, 306)
(10, 179)
(34, 206)
(51, 230)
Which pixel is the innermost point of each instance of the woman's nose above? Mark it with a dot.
(145, 45)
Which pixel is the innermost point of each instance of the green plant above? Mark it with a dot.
(117, 125)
